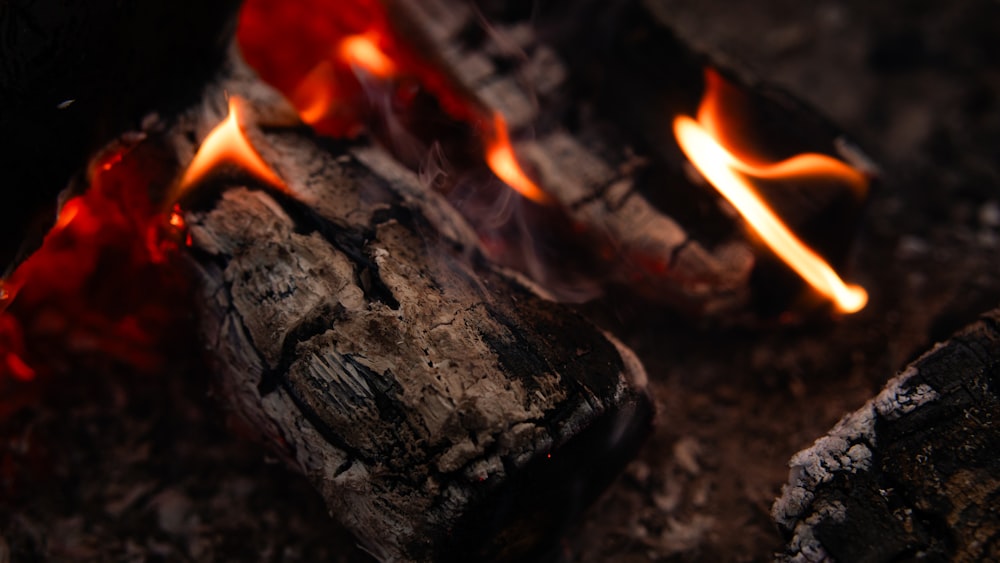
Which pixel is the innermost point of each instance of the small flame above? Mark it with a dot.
(503, 162)
(363, 51)
(227, 144)
(67, 214)
(176, 219)
(728, 173)
(316, 94)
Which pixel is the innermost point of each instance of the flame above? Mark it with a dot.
(363, 51)
(728, 173)
(503, 162)
(227, 144)
(329, 97)
(315, 50)
(316, 95)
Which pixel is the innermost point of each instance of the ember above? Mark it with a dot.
(105, 281)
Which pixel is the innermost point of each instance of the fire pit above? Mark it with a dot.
(719, 419)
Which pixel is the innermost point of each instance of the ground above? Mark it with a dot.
(126, 468)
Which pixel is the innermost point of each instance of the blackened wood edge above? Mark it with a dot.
(913, 473)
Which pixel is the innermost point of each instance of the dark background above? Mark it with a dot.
(128, 468)
(73, 75)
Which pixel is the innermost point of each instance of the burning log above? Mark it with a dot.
(913, 473)
(444, 411)
(625, 240)
(573, 209)
(663, 95)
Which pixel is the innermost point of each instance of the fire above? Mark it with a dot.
(363, 51)
(502, 161)
(327, 49)
(227, 144)
(107, 277)
(105, 281)
(729, 173)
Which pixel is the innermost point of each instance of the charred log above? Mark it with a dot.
(913, 473)
(444, 411)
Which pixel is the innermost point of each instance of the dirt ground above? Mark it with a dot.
(127, 468)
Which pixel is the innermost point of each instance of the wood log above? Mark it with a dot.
(443, 410)
(913, 474)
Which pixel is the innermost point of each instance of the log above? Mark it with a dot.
(912, 474)
(444, 411)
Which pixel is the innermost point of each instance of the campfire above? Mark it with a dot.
(410, 243)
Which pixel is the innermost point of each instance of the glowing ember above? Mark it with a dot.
(226, 144)
(11, 348)
(104, 285)
(729, 173)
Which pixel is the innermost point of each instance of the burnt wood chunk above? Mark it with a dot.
(444, 411)
(915, 473)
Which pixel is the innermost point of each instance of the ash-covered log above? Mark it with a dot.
(444, 411)
(914, 474)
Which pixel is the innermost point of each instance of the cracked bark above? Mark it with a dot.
(443, 410)
(913, 473)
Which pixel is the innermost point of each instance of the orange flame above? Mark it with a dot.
(363, 51)
(503, 162)
(328, 94)
(728, 172)
(227, 143)
(315, 96)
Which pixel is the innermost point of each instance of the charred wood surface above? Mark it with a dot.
(444, 411)
(912, 474)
